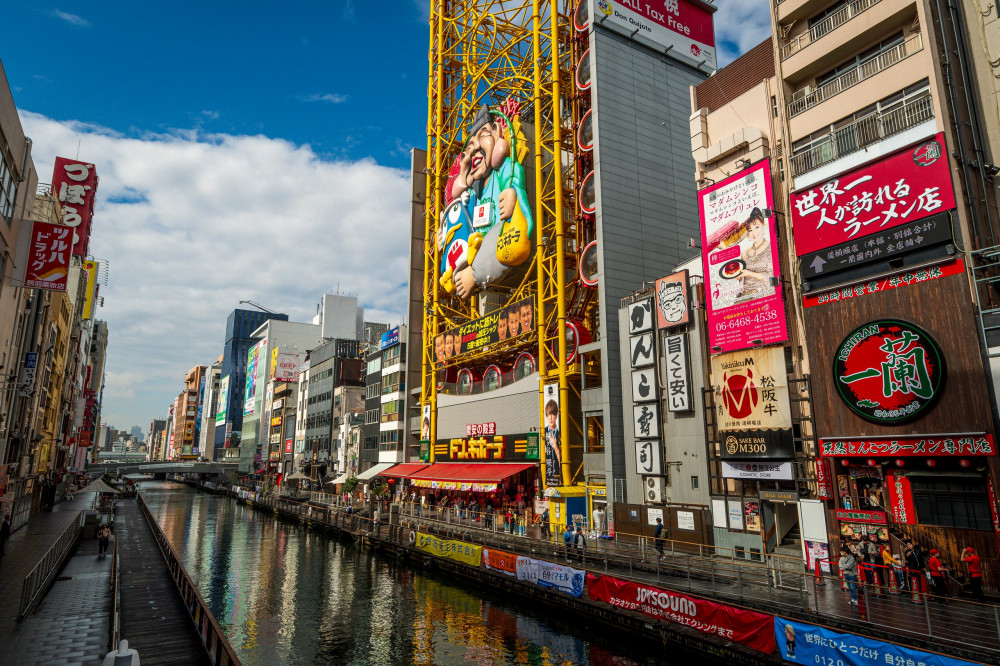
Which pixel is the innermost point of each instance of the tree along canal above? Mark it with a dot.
(287, 595)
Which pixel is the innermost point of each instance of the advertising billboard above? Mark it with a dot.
(285, 366)
(48, 257)
(488, 226)
(92, 268)
(220, 416)
(74, 183)
(682, 29)
(389, 338)
(904, 187)
(750, 628)
(672, 304)
(250, 389)
(553, 452)
(740, 257)
(751, 398)
(505, 323)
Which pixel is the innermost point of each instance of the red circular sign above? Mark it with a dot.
(889, 371)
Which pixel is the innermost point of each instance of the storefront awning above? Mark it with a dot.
(405, 470)
(340, 479)
(374, 471)
(471, 472)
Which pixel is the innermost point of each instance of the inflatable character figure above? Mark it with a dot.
(487, 226)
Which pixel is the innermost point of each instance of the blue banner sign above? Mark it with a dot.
(389, 338)
(802, 643)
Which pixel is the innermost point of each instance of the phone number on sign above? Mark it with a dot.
(740, 322)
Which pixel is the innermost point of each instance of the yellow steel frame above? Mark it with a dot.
(483, 51)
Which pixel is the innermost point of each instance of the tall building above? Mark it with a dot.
(333, 366)
(209, 411)
(239, 327)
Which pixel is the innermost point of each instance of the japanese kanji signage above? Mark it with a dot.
(74, 183)
(901, 497)
(647, 457)
(951, 446)
(751, 401)
(861, 516)
(740, 256)
(889, 371)
(824, 482)
(507, 323)
(644, 384)
(907, 186)
(48, 259)
(646, 420)
(640, 316)
(641, 349)
(480, 429)
(867, 287)
(875, 249)
(678, 387)
(487, 447)
(757, 470)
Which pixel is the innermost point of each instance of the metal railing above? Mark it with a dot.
(826, 26)
(114, 621)
(863, 132)
(765, 586)
(851, 78)
(212, 637)
(38, 580)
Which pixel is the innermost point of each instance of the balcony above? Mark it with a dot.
(863, 132)
(826, 26)
(803, 101)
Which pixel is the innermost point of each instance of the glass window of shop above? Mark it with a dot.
(952, 501)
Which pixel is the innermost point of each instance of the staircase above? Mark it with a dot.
(789, 559)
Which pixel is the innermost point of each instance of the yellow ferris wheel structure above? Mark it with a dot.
(487, 52)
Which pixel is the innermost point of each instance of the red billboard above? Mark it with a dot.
(940, 445)
(48, 256)
(901, 497)
(755, 630)
(74, 183)
(906, 186)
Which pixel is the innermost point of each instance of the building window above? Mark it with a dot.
(952, 501)
(694, 483)
(8, 190)
(774, 106)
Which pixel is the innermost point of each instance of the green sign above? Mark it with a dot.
(531, 453)
(425, 450)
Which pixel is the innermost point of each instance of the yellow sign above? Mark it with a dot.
(89, 295)
(274, 363)
(466, 553)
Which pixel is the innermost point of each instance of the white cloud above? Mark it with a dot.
(72, 19)
(332, 98)
(192, 223)
(739, 26)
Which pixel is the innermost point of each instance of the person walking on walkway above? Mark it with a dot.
(581, 544)
(544, 524)
(968, 556)
(849, 567)
(938, 572)
(103, 538)
(658, 537)
(568, 540)
(5, 534)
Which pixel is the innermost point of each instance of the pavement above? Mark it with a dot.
(70, 624)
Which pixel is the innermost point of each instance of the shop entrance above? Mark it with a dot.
(780, 522)
(863, 489)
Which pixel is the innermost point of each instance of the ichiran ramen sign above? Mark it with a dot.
(889, 371)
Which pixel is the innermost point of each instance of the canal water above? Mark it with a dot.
(286, 595)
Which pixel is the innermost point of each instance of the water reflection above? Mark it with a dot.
(286, 595)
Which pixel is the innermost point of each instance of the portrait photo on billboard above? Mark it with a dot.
(486, 231)
(671, 296)
(553, 450)
(740, 257)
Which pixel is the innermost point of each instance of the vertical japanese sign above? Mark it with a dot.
(250, 389)
(751, 398)
(824, 482)
(74, 183)
(678, 388)
(740, 256)
(647, 458)
(901, 497)
(49, 257)
(906, 186)
(553, 442)
(28, 374)
(220, 416)
(92, 268)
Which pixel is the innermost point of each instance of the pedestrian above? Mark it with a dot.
(914, 559)
(5, 534)
(890, 562)
(568, 540)
(544, 524)
(849, 568)
(103, 537)
(968, 556)
(580, 540)
(658, 537)
(869, 557)
(938, 572)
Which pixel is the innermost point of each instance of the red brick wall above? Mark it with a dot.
(736, 78)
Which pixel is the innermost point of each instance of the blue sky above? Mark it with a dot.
(246, 151)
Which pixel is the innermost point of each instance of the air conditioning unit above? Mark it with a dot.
(653, 489)
(802, 93)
